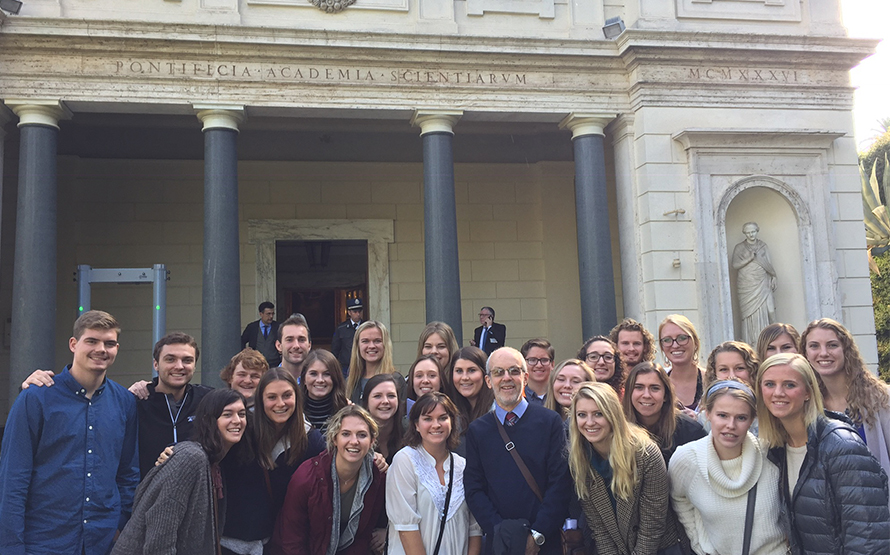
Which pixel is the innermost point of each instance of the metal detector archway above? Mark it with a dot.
(157, 275)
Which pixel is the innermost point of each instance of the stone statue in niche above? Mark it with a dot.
(755, 284)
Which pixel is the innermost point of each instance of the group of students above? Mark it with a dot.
(764, 451)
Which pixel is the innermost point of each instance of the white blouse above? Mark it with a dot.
(415, 499)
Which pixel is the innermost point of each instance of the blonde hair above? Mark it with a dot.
(627, 440)
(771, 429)
(550, 399)
(357, 363)
(336, 422)
(866, 394)
(684, 324)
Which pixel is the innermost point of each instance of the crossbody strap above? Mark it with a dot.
(749, 520)
(447, 502)
(511, 448)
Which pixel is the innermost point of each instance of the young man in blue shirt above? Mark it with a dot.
(69, 463)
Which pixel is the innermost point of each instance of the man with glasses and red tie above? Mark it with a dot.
(490, 336)
(539, 355)
(517, 479)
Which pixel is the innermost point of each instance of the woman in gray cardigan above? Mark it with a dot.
(180, 505)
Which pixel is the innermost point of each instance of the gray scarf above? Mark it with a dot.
(365, 477)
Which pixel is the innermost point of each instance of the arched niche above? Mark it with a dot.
(785, 227)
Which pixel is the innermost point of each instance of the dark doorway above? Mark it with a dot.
(315, 278)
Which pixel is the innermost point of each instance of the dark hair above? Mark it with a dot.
(95, 320)
(175, 338)
(264, 305)
(425, 405)
(617, 379)
(541, 343)
(294, 320)
(411, 393)
(332, 365)
(265, 433)
(663, 430)
(206, 430)
(485, 398)
(395, 436)
(250, 359)
(629, 324)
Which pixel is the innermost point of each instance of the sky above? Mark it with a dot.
(870, 19)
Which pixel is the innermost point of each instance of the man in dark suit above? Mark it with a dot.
(489, 336)
(341, 344)
(499, 496)
(262, 334)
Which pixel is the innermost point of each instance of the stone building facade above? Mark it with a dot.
(479, 152)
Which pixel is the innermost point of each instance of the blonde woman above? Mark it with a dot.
(371, 355)
(565, 380)
(832, 489)
(680, 345)
(713, 478)
(620, 477)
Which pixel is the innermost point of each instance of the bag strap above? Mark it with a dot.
(447, 502)
(511, 448)
(749, 520)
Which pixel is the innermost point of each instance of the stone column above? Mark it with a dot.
(442, 269)
(221, 298)
(34, 279)
(598, 314)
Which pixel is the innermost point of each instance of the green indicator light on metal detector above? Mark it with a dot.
(80, 308)
(157, 307)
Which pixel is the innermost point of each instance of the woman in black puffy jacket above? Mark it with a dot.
(834, 493)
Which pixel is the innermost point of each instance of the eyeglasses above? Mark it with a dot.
(537, 361)
(593, 358)
(681, 339)
(514, 371)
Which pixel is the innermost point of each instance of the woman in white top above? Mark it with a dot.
(711, 479)
(423, 477)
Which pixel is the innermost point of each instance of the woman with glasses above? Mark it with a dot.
(650, 402)
(602, 355)
(680, 345)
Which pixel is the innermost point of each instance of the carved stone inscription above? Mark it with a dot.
(315, 73)
(753, 75)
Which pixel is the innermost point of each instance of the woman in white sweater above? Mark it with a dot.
(711, 479)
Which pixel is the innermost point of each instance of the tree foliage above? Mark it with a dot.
(880, 290)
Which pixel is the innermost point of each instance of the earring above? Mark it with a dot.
(806, 400)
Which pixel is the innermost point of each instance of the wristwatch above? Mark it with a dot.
(538, 537)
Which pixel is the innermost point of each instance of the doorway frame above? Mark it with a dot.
(378, 234)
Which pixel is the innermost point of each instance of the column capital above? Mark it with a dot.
(38, 111)
(581, 124)
(220, 116)
(436, 121)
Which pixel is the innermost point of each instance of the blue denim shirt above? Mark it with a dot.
(69, 467)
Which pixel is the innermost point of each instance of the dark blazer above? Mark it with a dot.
(341, 344)
(495, 488)
(497, 337)
(249, 335)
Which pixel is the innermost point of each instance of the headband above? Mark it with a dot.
(729, 384)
